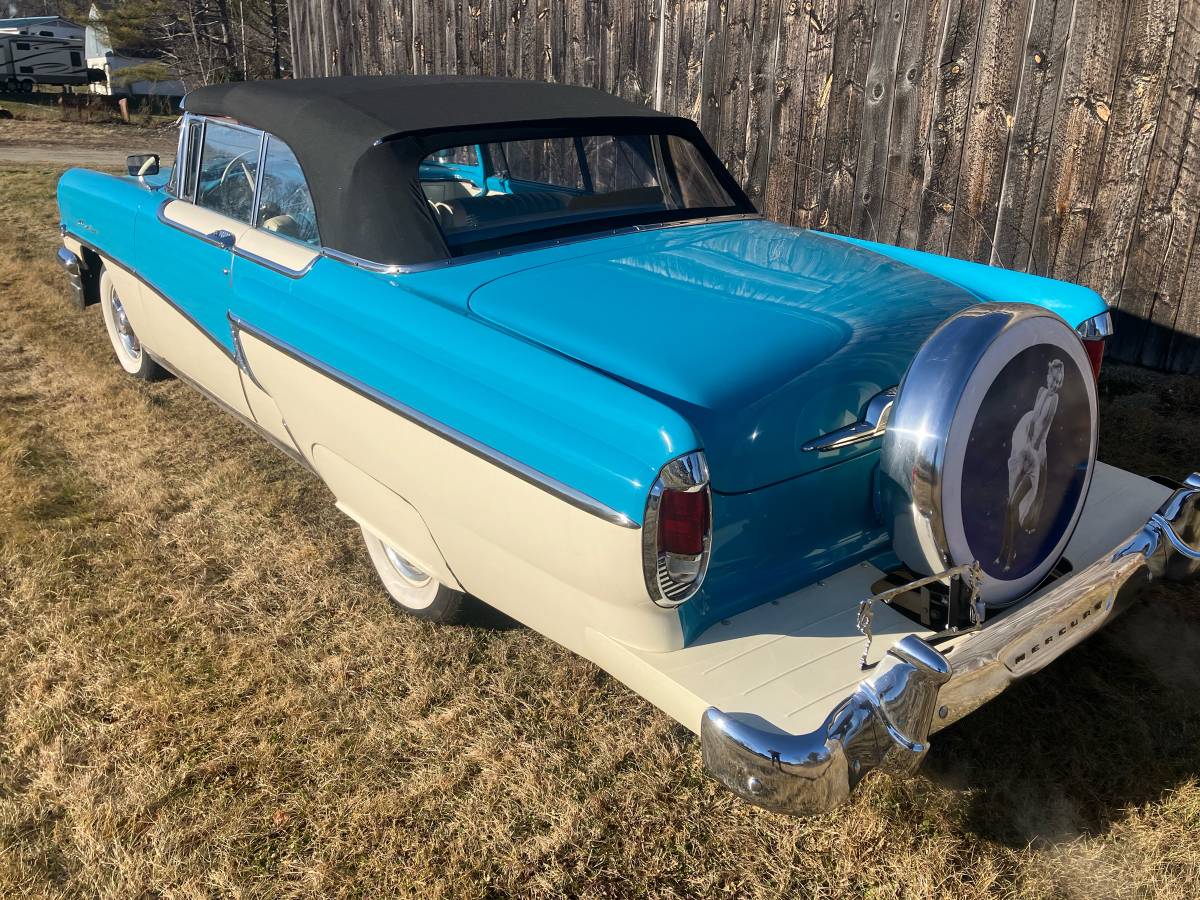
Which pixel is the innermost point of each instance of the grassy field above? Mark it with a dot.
(206, 693)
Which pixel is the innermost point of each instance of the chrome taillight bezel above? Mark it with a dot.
(1097, 328)
(671, 578)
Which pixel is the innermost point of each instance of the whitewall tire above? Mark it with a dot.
(416, 592)
(125, 343)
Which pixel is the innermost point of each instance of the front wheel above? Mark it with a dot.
(130, 353)
(418, 593)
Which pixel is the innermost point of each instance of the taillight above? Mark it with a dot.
(683, 522)
(677, 530)
(1094, 332)
(1095, 352)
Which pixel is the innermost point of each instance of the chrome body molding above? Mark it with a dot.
(74, 268)
(466, 442)
(1097, 328)
(917, 690)
(226, 241)
(672, 579)
(871, 424)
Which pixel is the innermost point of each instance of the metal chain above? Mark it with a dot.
(973, 574)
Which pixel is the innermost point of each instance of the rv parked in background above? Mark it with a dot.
(26, 60)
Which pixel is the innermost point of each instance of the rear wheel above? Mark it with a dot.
(130, 353)
(415, 591)
(10, 85)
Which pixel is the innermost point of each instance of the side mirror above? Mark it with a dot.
(142, 164)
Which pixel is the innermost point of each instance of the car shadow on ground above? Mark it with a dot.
(1113, 724)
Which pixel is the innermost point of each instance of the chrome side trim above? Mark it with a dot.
(871, 424)
(917, 691)
(242, 253)
(225, 241)
(530, 475)
(158, 292)
(407, 269)
(1097, 328)
(672, 579)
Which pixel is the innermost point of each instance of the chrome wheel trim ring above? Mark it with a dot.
(124, 331)
(406, 570)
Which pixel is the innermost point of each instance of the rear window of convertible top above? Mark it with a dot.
(490, 195)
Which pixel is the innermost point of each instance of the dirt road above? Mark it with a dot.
(62, 156)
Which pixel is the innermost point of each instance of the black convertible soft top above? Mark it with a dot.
(360, 141)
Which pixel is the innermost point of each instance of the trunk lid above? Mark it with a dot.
(762, 336)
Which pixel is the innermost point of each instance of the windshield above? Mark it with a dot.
(493, 194)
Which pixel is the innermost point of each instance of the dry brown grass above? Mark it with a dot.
(206, 693)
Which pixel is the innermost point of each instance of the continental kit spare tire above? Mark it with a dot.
(990, 447)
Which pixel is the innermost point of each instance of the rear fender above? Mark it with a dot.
(1073, 302)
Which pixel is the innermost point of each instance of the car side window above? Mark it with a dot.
(228, 171)
(285, 205)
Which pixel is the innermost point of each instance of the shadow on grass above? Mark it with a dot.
(1114, 723)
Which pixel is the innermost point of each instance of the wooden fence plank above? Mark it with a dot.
(811, 209)
(878, 96)
(912, 119)
(684, 41)
(1184, 354)
(1042, 77)
(1076, 147)
(989, 127)
(787, 111)
(1137, 102)
(952, 97)
(1165, 233)
(851, 56)
(745, 72)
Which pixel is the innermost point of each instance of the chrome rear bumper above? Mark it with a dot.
(916, 690)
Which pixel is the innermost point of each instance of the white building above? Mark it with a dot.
(102, 56)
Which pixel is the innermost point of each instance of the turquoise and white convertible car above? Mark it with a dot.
(814, 497)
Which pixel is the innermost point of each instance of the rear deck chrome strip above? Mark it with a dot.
(527, 474)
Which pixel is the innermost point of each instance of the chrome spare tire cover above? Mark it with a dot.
(990, 447)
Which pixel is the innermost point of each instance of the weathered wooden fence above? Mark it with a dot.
(1060, 137)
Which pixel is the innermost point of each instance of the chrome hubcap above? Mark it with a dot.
(407, 570)
(124, 330)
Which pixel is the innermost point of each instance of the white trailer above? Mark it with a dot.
(26, 60)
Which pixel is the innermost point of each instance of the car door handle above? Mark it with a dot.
(222, 238)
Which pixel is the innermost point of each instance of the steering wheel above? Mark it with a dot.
(240, 160)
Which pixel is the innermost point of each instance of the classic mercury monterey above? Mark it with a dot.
(814, 497)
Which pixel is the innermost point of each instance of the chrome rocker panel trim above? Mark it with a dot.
(917, 690)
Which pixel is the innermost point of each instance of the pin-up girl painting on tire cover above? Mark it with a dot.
(1027, 464)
